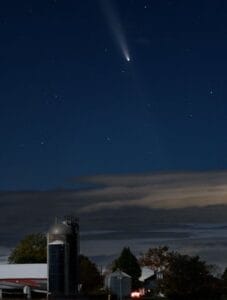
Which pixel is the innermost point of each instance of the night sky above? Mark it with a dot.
(115, 111)
(72, 105)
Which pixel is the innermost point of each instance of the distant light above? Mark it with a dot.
(128, 58)
(135, 294)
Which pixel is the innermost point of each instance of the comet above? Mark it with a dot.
(113, 21)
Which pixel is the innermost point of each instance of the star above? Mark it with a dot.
(108, 139)
(30, 11)
(188, 50)
(149, 106)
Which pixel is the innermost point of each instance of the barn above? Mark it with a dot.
(23, 279)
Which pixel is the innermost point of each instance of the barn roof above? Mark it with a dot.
(11, 271)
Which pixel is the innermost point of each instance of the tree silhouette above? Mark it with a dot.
(89, 275)
(129, 264)
(156, 259)
(187, 278)
(31, 249)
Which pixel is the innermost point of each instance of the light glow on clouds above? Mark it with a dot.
(161, 190)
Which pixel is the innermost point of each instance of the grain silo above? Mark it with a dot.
(62, 257)
(119, 284)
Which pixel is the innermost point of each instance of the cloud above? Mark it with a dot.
(118, 202)
(156, 191)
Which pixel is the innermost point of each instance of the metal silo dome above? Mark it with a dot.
(60, 229)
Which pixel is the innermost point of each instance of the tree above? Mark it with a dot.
(31, 249)
(129, 264)
(184, 277)
(156, 259)
(224, 276)
(89, 276)
(187, 278)
(224, 284)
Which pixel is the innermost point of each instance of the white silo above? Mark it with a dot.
(119, 284)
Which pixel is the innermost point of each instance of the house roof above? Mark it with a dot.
(146, 273)
(119, 274)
